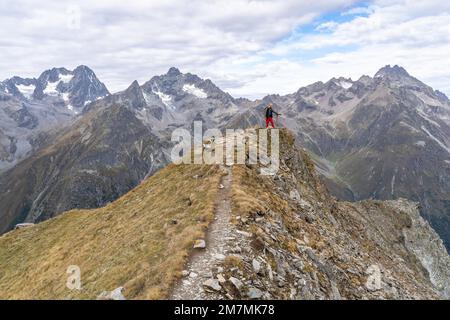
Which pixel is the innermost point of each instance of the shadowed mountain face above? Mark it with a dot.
(380, 137)
(29, 106)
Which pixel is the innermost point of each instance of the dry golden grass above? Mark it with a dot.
(133, 242)
(252, 193)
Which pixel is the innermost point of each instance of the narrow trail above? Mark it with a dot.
(203, 262)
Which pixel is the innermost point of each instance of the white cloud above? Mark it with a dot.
(249, 48)
(123, 41)
(414, 34)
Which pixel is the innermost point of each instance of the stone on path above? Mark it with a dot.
(199, 244)
(212, 284)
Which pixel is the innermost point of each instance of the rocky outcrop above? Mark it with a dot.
(422, 240)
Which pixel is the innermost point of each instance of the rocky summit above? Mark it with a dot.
(279, 237)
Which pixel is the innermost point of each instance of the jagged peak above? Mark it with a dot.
(84, 69)
(173, 72)
(133, 86)
(392, 71)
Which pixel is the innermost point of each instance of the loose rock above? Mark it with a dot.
(199, 244)
(254, 293)
(212, 284)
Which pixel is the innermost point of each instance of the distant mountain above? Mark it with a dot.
(375, 138)
(99, 157)
(110, 148)
(72, 89)
(173, 100)
(267, 237)
(380, 137)
(29, 106)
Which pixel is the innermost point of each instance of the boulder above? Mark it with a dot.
(199, 244)
(256, 266)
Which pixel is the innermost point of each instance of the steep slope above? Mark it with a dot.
(29, 106)
(101, 156)
(175, 99)
(294, 241)
(288, 239)
(139, 241)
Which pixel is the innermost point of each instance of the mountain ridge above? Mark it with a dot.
(370, 138)
(287, 238)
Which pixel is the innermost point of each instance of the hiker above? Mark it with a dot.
(269, 116)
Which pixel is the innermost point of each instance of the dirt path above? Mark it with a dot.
(204, 261)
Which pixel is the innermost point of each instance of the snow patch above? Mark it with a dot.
(65, 96)
(26, 91)
(65, 77)
(192, 89)
(392, 184)
(165, 98)
(344, 84)
(72, 109)
(51, 90)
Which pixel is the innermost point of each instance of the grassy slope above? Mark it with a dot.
(131, 243)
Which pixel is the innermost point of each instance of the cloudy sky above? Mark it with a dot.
(248, 48)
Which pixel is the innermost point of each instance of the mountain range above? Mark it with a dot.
(30, 106)
(381, 137)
